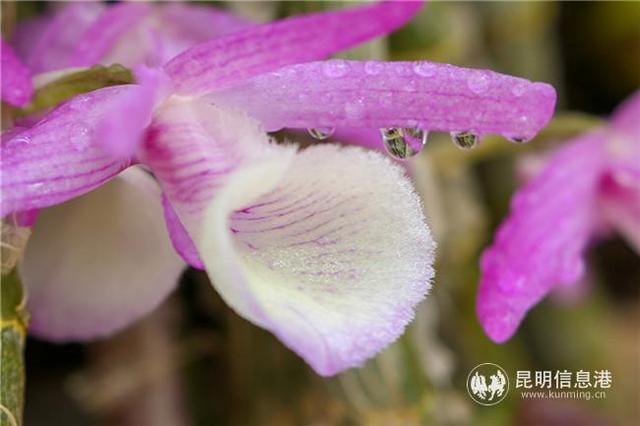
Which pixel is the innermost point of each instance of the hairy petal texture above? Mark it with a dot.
(102, 35)
(61, 156)
(542, 242)
(192, 146)
(375, 94)
(231, 59)
(97, 263)
(16, 78)
(331, 253)
(47, 43)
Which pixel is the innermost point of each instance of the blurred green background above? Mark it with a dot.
(195, 362)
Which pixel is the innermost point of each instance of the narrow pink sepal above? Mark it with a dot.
(542, 242)
(16, 78)
(61, 156)
(201, 23)
(122, 130)
(179, 236)
(375, 94)
(228, 60)
(106, 31)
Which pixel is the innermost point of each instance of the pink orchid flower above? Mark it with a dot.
(327, 247)
(590, 182)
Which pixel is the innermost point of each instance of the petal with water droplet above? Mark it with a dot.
(541, 244)
(236, 57)
(97, 263)
(43, 165)
(442, 101)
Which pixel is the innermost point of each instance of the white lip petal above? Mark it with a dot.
(99, 262)
(331, 254)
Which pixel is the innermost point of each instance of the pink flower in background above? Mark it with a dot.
(325, 247)
(590, 183)
(82, 34)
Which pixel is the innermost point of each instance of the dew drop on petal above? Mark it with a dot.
(478, 82)
(321, 133)
(335, 68)
(20, 140)
(354, 109)
(403, 143)
(373, 67)
(79, 137)
(464, 140)
(424, 69)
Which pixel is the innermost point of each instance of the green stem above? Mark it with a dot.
(13, 330)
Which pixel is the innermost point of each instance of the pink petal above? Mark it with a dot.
(180, 238)
(621, 202)
(377, 94)
(60, 157)
(542, 242)
(16, 78)
(331, 254)
(97, 263)
(47, 43)
(102, 35)
(228, 60)
(122, 129)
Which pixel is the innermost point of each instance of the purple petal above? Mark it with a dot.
(16, 78)
(236, 57)
(102, 35)
(60, 157)
(542, 242)
(331, 254)
(99, 262)
(131, 112)
(47, 43)
(375, 94)
(180, 238)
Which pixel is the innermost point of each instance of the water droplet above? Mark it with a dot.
(335, 68)
(425, 69)
(403, 143)
(373, 67)
(519, 88)
(79, 137)
(321, 133)
(402, 69)
(354, 109)
(20, 140)
(478, 82)
(464, 140)
(518, 139)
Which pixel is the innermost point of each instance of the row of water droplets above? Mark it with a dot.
(405, 142)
